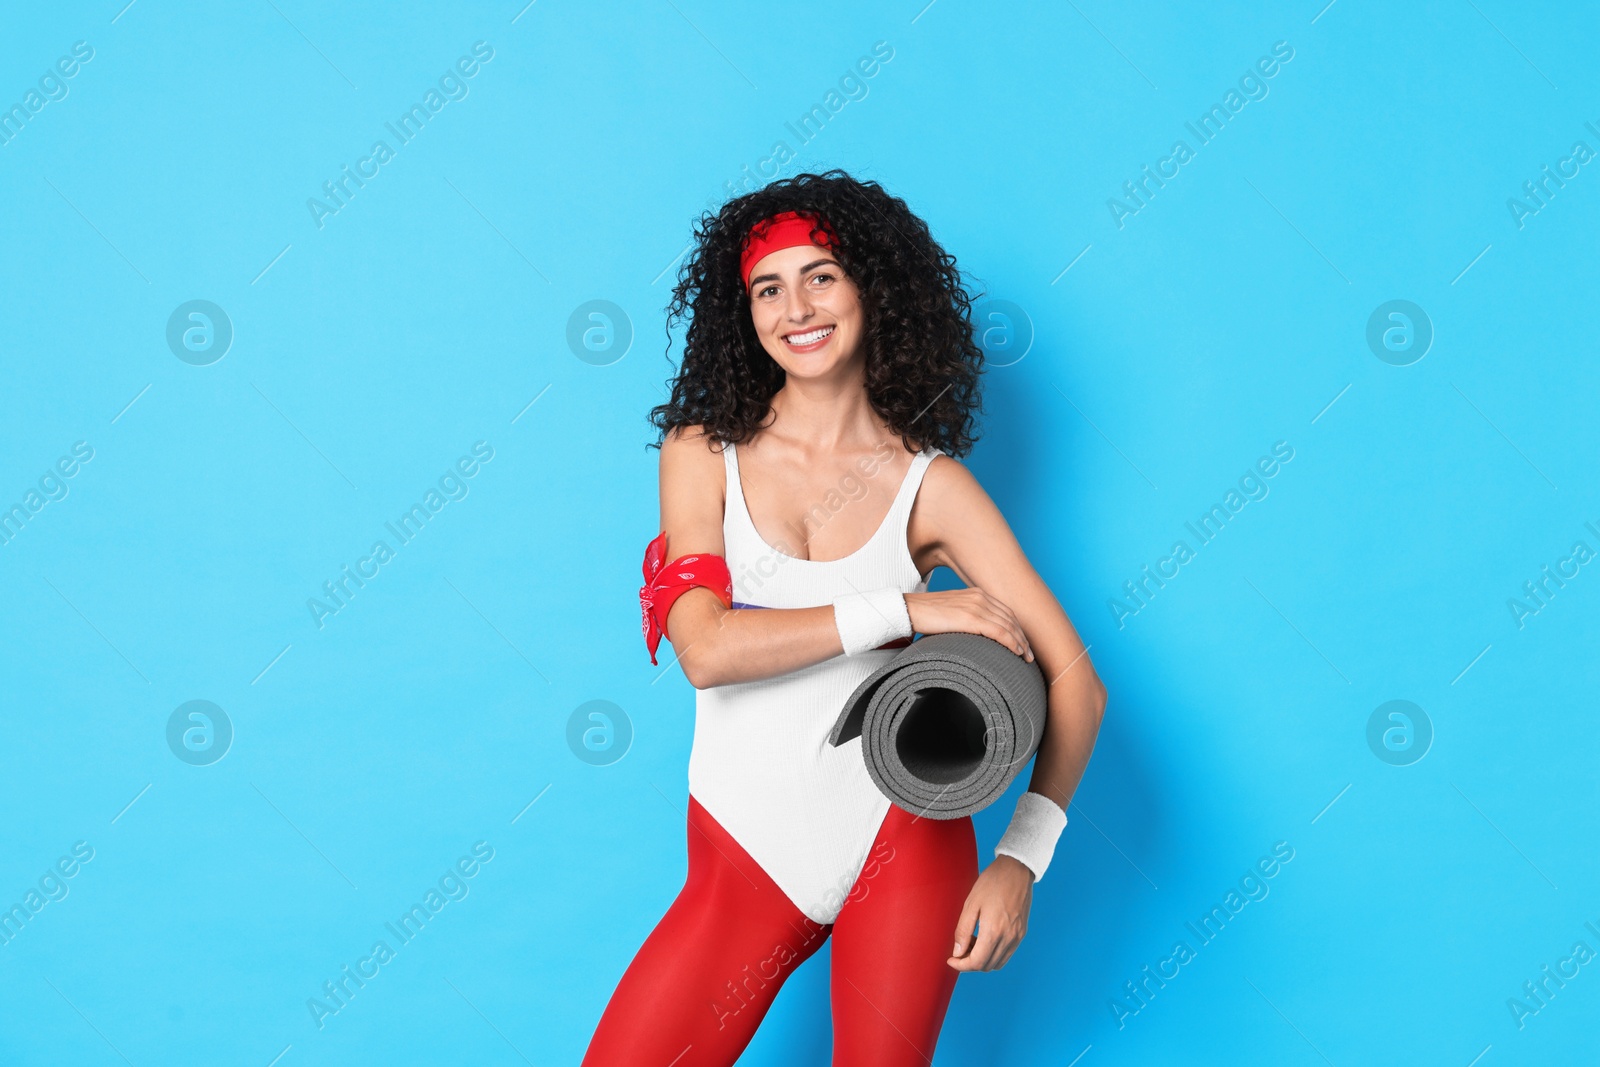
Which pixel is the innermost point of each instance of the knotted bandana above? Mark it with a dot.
(663, 585)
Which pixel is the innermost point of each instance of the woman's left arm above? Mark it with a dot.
(966, 532)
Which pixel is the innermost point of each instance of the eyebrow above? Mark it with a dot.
(809, 266)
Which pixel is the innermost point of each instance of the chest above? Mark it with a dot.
(822, 515)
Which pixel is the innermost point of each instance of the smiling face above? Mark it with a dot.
(806, 310)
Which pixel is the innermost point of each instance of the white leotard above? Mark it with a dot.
(761, 764)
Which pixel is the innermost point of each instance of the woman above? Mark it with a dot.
(807, 489)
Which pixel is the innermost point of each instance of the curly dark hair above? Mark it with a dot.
(923, 363)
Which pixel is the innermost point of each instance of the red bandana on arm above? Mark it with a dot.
(663, 585)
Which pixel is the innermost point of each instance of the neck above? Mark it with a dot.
(829, 415)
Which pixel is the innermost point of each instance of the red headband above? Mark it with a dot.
(784, 230)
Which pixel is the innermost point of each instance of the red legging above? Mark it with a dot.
(702, 981)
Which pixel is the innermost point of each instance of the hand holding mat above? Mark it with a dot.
(946, 724)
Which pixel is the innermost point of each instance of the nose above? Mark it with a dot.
(797, 307)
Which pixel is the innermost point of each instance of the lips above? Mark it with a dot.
(810, 339)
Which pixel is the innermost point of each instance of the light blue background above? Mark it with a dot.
(1226, 315)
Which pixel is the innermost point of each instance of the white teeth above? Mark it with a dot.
(808, 338)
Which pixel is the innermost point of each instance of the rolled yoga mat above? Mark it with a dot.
(947, 723)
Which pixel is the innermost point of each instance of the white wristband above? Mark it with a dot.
(867, 620)
(1031, 837)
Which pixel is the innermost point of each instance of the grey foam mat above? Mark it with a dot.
(947, 723)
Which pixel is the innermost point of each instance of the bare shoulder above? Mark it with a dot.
(950, 480)
(953, 492)
(966, 532)
(690, 450)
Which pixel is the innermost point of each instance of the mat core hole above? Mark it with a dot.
(941, 739)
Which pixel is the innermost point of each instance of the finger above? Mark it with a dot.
(994, 620)
(964, 925)
(1017, 637)
(983, 949)
(982, 620)
(973, 959)
(1005, 944)
(1008, 633)
(992, 953)
(990, 621)
(1021, 635)
(1027, 646)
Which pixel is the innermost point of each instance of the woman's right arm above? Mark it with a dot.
(716, 645)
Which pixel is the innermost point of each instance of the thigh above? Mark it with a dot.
(704, 978)
(891, 983)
